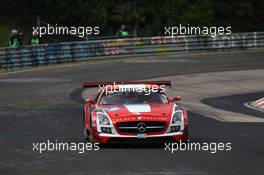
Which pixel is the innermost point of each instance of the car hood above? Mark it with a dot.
(146, 112)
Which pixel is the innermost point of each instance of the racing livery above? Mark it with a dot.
(133, 112)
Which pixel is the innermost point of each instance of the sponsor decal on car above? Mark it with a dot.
(141, 136)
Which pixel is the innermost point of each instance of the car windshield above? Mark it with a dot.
(134, 98)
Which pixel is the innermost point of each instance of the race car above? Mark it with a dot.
(136, 112)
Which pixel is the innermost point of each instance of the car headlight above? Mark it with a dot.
(176, 120)
(103, 120)
(177, 117)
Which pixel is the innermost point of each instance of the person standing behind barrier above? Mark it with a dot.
(34, 39)
(122, 32)
(14, 41)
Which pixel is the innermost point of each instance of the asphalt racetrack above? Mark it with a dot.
(45, 104)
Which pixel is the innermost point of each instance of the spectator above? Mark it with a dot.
(122, 32)
(34, 39)
(14, 41)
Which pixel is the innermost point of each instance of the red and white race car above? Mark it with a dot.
(133, 112)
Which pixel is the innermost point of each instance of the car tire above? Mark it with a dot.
(86, 134)
(186, 134)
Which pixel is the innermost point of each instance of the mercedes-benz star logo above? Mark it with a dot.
(141, 127)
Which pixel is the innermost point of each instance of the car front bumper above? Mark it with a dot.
(140, 138)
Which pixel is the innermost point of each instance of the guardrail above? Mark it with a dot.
(46, 54)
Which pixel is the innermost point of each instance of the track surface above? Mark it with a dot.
(37, 106)
(235, 103)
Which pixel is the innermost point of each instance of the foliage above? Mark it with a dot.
(145, 17)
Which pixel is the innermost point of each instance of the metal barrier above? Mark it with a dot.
(46, 54)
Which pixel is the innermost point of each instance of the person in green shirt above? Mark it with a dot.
(122, 32)
(34, 39)
(14, 41)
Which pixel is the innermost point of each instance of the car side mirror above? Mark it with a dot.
(89, 101)
(176, 98)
